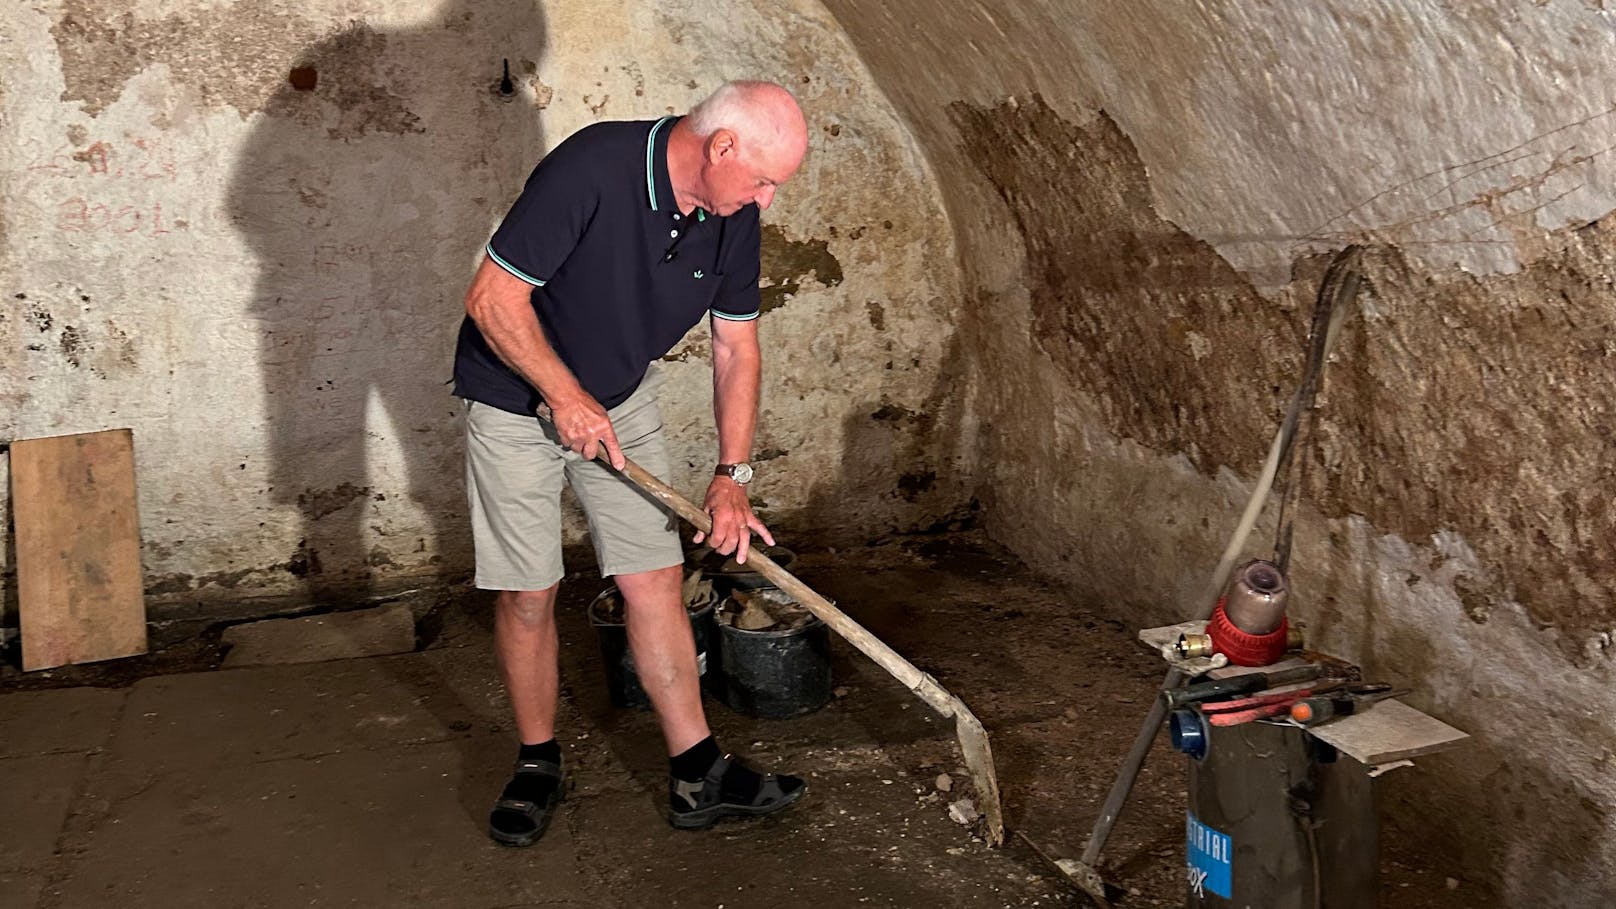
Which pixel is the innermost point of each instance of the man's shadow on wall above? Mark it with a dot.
(383, 162)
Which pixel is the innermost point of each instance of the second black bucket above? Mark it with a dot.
(775, 674)
(622, 680)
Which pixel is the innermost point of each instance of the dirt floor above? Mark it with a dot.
(365, 782)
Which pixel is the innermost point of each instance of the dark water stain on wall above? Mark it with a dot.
(215, 581)
(788, 263)
(101, 348)
(37, 315)
(71, 344)
(231, 57)
(1481, 406)
(352, 75)
(1487, 406)
(318, 503)
(912, 485)
(878, 319)
(1122, 298)
(236, 57)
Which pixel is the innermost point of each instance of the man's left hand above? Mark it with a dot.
(733, 520)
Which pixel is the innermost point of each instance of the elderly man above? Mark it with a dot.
(624, 237)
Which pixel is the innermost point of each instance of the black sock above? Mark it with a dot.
(543, 751)
(528, 787)
(692, 764)
(740, 784)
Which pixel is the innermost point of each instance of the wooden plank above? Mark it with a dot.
(79, 592)
(1388, 731)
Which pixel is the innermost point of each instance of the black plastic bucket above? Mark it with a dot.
(727, 575)
(775, 673)
(622, 680)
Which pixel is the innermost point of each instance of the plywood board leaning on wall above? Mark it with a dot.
(78, 548)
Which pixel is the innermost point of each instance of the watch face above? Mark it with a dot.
(742, 473)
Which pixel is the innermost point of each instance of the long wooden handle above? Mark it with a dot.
(972, 736)
(871, 646)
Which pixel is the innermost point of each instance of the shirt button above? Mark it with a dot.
(673, 233)
(676, 216)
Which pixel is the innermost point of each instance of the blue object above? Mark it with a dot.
(1188, 731)
(1208, 859)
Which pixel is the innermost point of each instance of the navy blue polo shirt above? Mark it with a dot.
(619, 275)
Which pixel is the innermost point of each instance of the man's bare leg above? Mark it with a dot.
(665, 653)
(526, 644)
(665, 658)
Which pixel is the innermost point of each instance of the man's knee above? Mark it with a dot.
(527, 607)
(656, 589)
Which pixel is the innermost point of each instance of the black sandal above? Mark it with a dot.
(707, 804)
(536, 814)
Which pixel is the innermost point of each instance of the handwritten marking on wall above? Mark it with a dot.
(99, 207)
(138, 159)
(80, 215)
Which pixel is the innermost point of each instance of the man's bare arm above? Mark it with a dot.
(737, 374)
(499, 303)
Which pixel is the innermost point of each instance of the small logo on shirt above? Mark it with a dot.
(698, 274)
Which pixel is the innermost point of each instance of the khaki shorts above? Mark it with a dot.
(515, 468)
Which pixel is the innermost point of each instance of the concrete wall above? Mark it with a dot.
(1144, 194)
(245, 229)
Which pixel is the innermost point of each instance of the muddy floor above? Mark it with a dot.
(365, 782)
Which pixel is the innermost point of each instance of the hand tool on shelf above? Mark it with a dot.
(1261, 706)
(1244, 683)
(1318, 708)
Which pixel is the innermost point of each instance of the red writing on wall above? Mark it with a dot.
(138, 160)
(80, 215)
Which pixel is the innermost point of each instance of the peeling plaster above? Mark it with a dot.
(317, 503)
(228, 56)
(237, 57)
(1478, 405)
(1116, 309)
(787, 264)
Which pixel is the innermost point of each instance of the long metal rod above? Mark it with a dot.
(973, 738)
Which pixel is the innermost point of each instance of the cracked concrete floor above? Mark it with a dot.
(366, 782)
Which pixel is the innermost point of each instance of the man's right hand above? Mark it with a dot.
(585, 428)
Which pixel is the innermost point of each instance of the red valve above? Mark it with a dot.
(1242, 648)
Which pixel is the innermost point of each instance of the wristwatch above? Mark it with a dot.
(740, 473)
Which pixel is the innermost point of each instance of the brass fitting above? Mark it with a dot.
(1192, 646)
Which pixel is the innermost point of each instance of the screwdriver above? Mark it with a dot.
(1314, 710)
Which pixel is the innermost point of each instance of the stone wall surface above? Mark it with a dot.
(245, 230)
(1056, 256)
(1145, 196)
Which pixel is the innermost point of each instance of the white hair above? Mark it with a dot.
(740, 108)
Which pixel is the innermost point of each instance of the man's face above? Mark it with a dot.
(736, 179)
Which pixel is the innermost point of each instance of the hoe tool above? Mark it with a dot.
(973, 739)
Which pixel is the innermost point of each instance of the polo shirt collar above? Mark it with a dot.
(658, 185)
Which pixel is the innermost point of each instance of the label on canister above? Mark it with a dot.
(1209, 859)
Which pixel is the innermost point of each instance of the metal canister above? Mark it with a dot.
(1257, 596)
